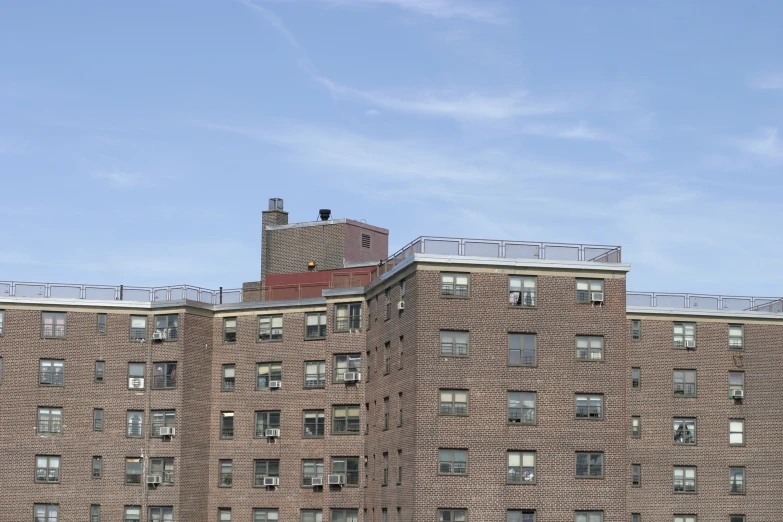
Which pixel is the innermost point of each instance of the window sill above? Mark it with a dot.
(685, 492)
(454, 356)
(522, 307)
(737, 445)
(531, 483)
(269, 341)
(681, 396)
(737, 493)
(315, 338)
(452, 474)
(589, 360)
(344, 434)
(454, 414)
(46, 482)
(522, 423)
(306, 437)
(685, 444)
(314, 387)
(229, 342)
(589, 418)
(510, 365)
(347, 331)
(61, 338)
(583, 477)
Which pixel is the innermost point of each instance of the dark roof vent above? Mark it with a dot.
(325, 214)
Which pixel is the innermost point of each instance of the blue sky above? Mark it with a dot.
(139, 141)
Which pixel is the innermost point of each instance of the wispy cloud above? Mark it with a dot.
(123, 180)
(766, 146)
(769, 82)
(581, 131)
(465, 105)
(484, 11)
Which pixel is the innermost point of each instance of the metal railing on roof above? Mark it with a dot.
(503, 249)
(120, 292)
(705, 301)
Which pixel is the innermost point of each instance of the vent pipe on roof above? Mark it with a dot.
(325, 214)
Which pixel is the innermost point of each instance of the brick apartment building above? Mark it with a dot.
(459, 380)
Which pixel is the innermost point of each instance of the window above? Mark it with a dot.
(369, 366)
(399, 405)
(346, 419)
(50, 421)
(685, 431)
(167, 326)
(344, 515)
(164, 375)
(97, 467)
(226, 424)
(229, 329)
(684, 479)
(135, 423)
(736, 518)
(385, 469)
(229, 378)
(348, 466)
(267, 420)
(522, 291)
(684, 518)
(2, 321)
(387, 297)
(46, 512)
(736, 382)
(161, 514)
(636, 329)
(522, 349)
(589, 406)
(95, 513)
(315, 374)
(452, 515)
(136, 373)
(164, 468)
(585, 287)
(453, 402)
(737, 480)
(452, 462)
(590, 465)
(263, 469)
(311, 469)
(386, 413)
(315, 325)
(270, 328)
(685, 335)
(162, 419)
(387, 358)
(47, 468)
(347, 363)
(133, 470)
(399, 466)
(522, 407)
(636, 378)
(265, 515)
(685, 383)
(348, 317)
(454, 344)
(313, 423)
(266, 372)
(636, 475)
(132, 514)
(589, 516)
(384, 515)
(736, 336)
(589, 348)
(737, 432)
(402, 350)
(636, 517)
(138, 329)
(100, 367)
(520, 516)
(226, 476)
(52, 372)
(224, 514)
(454, 284)
(97, 419)
(101, 324)
(521, 467)
(53, 325)
(636, 427)
(312, 515)
(1, 370)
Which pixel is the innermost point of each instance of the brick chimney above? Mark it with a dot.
(274, 216)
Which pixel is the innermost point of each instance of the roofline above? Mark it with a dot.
(740, 314)
(341, 221)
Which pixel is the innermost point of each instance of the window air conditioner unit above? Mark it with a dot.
(272, 432)
(352, 376)
(738, 394)
(597, 297)
(167, 432)
(275, 385)
(159, 336)
(336, 480)
(317, 481)
(401, 306)
(690, 344)
(154, 479)
(136, 383)
(271, 481)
